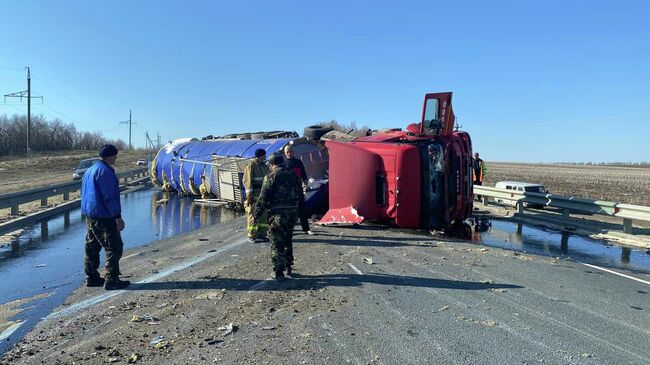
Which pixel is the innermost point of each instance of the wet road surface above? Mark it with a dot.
(49, 259)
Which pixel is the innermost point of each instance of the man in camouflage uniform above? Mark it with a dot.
(283, 198)
(254, 174)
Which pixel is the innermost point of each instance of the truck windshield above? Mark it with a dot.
(431, 122)
(535, 189)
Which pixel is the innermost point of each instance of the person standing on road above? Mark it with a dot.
(478, 171)
(100, 204)
(254, 174)
(295, 165)
(283, 199)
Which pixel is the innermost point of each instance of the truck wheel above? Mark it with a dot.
(314, 132)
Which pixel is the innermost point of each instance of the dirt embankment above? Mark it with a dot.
(21, 173)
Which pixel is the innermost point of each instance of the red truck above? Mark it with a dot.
(418, 178)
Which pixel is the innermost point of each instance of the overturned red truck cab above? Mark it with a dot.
(418, 178)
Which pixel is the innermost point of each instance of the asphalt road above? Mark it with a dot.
(362, 296)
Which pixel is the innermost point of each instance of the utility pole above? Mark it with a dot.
(26, 94)
(129, 122)
(157, 141)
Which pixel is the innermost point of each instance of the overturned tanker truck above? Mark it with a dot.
(418, 178)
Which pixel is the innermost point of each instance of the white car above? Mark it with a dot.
(141, 162)
(521, 187)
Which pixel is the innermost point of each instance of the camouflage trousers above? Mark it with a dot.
(257, 228)
(103, 233)
(281, 234)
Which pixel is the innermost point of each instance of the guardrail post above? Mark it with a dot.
(66, 196)
(124, 179)
(44, 202)
(520, 207)
(485, 200)
(15, 210)
(627, 225)
(566, 213)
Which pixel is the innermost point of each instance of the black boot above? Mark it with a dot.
(94, 281)
(116, 284)
(278, 275)
(289, 271)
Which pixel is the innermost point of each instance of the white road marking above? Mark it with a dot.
(618, 273)
(102, 297)
(6, 333)
(355, 269)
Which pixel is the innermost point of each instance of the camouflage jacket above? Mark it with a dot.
(281, 190)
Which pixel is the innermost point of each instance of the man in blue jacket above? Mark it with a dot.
(100, 204)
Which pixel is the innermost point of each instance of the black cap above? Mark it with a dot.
(276, 159)
(107, 150)
(260, 152)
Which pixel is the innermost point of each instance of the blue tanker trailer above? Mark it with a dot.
(213, 167)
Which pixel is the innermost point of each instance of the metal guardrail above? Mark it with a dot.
(569, 204)
(14, 200)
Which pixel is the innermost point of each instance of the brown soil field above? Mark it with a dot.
(21, 173)
(627, 185)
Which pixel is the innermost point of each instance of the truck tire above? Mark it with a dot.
(314, 132)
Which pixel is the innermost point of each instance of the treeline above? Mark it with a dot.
(347, 128)
(47, 135)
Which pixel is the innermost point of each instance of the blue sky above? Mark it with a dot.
(534, 81)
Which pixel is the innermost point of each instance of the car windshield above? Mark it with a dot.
(86, 164)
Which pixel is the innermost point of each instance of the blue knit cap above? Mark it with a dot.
(107, 150)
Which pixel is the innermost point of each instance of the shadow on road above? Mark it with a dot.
(300, 282)
(362, 241)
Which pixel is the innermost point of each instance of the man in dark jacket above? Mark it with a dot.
(283, 198)
(296, 166)
(100, 204)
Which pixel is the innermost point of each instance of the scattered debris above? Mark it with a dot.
(268, 328)
(113, 359)
(211, 295)
(368, 260)
(145, 317)
(213, 341)
(586, 355)
(114, 353)
(444, 308)
(484, 250)
(489, 323)
(133, 358)
(229, 329)
(40, 265)
(161, 345)
(495, 290)
(157, 340)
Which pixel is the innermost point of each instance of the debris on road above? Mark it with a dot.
(133, 358)
(268, 328)
(40, 265)
(211, 295)
(229, 329)
(488, 323)
(444, 308)
(368, 260)
(157, 340)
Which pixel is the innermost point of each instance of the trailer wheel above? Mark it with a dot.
(314, 132)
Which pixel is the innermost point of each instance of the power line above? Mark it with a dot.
(130, 123)
(26, 94)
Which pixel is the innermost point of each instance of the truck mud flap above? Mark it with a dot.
(347, 215)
